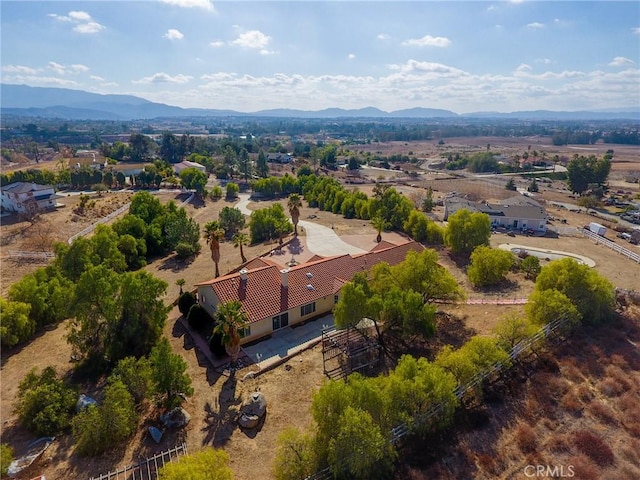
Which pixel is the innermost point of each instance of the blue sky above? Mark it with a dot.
(248, 56)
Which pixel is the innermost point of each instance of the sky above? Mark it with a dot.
(248, 56)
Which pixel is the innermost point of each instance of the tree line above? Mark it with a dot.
(362, 411)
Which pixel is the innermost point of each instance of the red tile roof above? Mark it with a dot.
(263, 296)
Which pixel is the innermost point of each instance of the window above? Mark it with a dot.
(244, 332)
(307, 309)
(281, 321)
(336, 298)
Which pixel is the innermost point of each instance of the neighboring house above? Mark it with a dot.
(178, 167)
(89, 158)
(279, 157)
(517, 213)
(274, 297)
(24, 197)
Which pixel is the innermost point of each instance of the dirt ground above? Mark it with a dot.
(289, 387)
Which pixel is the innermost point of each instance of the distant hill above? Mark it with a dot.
(613, 114)
(71, 104)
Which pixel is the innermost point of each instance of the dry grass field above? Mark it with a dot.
(598, 375)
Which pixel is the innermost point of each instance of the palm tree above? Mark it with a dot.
(380, 224)
(180, 282)
(239, 240)
(294, 205)
(214, 234)
(230, 319)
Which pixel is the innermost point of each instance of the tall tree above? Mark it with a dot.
(231, 220)
(170, 148)
(214, 235)
(585, 171)
(116, 315)
(141, 147)
(240, 240)
(591, 293)
(294, 204)
(244, 164)
(168, 372)
(467, 230)
(194, 179)
(261, 165)
(230, 320)
(489, 266)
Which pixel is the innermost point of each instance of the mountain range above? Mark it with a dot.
(68, 104)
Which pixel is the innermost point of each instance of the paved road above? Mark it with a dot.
(320, 240)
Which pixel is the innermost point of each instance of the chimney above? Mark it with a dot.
(285, 277)
(243, 274)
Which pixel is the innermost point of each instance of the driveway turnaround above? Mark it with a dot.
(550, 254)
(320, 240)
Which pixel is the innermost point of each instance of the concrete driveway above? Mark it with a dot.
(320, 240)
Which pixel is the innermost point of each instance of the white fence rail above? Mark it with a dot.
(146, 469)
(36, 256)
(612, 245)
(432, 413)
(92, 227)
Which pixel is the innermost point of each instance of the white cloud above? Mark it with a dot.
(264, 51)
(621, 62)
(67, 69)
(173, 34)
(217, 44)
(162, 77)
(636, 30)
(80, 16)
(77, 68)
(416, 83)
(535, 25)
(252, 39)
(383, 36)
(204, 4)
(427, 41)
(83, 22)
(545, 61)
(37, 81)
(20, 69)
(91, 27)
(96, 78)
(351, 56)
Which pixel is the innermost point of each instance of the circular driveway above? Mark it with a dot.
(547, 254)
(320, 240)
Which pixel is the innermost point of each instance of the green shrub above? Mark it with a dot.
(207, 463)
(216, 346)
(45, 404)
(185, 302)
(198, 317)
(186, 250)
(17, 326)
(6, 457)
(102, 427)
(135, 374)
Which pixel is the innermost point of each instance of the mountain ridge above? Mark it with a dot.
(47, 102)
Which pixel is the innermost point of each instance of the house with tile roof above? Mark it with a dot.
(274, 298)
(517, 213)
(22, 197)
